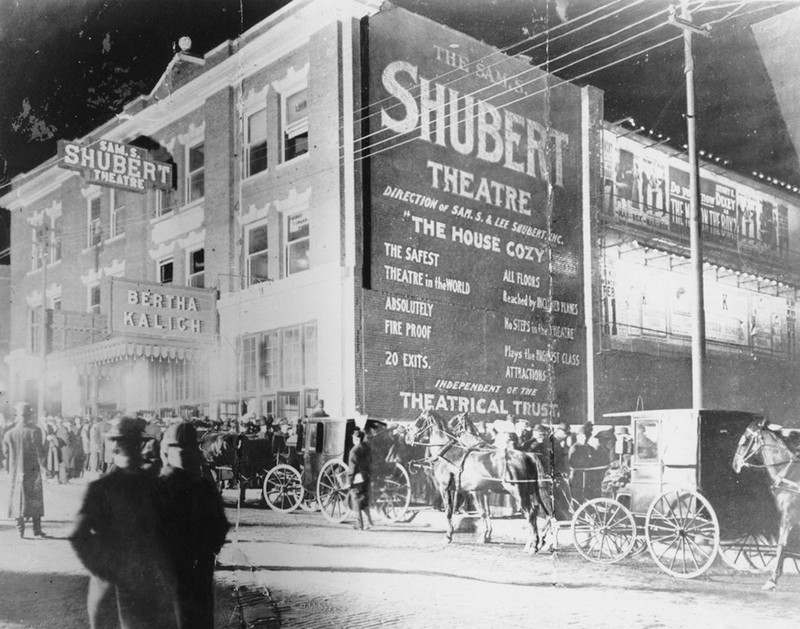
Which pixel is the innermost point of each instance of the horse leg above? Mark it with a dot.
(482, 499)
(448, 500)
(783, 538)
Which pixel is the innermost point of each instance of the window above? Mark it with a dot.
(95, 226)
(295, 125)
(270, 353)
(164, 202)
(34, 330)
(36, 250)
(297, 242)
(257, 260)
(292, 358)
(55, 242)
(256, 150)
(165, 271)
(249, 364)
(195, 177)
(117, 214)
(94, 299)
(197, 268)
(646, 441)
(310, 355)
(56, 303)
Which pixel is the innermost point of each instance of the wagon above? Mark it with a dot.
(318, 478)
(683, 499)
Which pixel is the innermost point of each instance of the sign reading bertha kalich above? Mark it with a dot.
(475, 296)
(115, 164)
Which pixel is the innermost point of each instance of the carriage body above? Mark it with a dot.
(683, 496)
(316, 477)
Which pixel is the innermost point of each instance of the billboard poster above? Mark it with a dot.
(639, 186)
(679, 201)
(474, 287)
(719, 217)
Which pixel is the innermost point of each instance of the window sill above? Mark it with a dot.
(115, 238)
(257, 176)
(294, 160)
(91, 248)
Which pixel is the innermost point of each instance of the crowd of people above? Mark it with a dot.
(150, 526)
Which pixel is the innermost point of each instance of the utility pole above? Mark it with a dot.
(684, 22)
(45, 254)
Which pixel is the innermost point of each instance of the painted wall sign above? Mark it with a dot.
(115, 164)
(475, 287)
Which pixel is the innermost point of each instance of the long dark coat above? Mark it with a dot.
(24, 448)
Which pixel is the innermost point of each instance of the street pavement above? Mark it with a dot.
(302, 571)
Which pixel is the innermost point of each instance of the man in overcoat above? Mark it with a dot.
(359, 463)
(24, 449)
(193, 524)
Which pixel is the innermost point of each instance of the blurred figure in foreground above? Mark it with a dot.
(193, 524)
(117, 537)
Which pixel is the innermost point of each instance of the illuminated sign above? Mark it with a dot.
(114, 164)
(475, 287)
(155, 310)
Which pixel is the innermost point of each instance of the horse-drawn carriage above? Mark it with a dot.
(684, 498)
(312, 474)
(683, 501)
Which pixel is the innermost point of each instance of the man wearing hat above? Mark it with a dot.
(193, 523)
(23, 446)
(118, 539)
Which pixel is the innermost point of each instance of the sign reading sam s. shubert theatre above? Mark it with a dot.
(475, 295)
(168, 312)
(114, 164)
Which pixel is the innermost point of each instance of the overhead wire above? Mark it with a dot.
(130, 220)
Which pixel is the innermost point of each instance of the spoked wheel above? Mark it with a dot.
(750, 552)
(332, 491)
(603, 531)
(283, 489)
(393, 494)
(682, 533)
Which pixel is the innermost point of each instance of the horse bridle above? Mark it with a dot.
(756, 445)
(430, 424)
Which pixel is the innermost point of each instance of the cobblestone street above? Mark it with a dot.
(398, 575)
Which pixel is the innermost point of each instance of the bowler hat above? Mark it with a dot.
(126, 429)
(181, 435)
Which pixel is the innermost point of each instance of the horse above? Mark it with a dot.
(467, 432)
(781, 463)
(456, 467)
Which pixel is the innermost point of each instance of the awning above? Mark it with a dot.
(120, 349)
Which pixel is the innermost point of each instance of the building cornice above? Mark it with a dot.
(271, 39)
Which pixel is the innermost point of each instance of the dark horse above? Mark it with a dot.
(456, 467)
(759, 443)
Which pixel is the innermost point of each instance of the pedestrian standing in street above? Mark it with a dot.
(118, 539)
(358, 472)
(193, 524)
(24, 450)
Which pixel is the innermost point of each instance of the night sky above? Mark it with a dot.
(67, 66)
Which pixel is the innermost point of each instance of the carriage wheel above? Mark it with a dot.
(393, 494)
(682, 533)
(332, 491)
(751, 552)
(603, 531)
(283, 488)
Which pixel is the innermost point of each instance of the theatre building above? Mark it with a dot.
(750, 235)
(354, 203)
